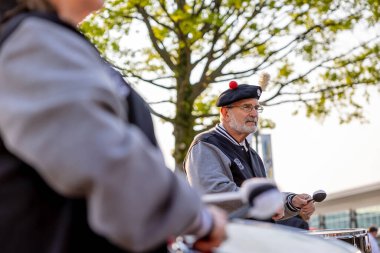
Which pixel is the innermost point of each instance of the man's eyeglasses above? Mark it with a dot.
(248, 107)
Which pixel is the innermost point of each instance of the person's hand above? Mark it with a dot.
(301, 201)
(279, 214)
(218, 233)
(307, 210)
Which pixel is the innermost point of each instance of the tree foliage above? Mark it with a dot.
(189, 46)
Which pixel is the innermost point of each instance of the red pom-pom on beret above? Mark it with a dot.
(233, 85)
(238, 92)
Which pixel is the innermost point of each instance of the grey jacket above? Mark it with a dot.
(61, 112)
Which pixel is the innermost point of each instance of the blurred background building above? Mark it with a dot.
(352, 208)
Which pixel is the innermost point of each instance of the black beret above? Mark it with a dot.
(238, 92)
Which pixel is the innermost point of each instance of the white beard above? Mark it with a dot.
(241, 128)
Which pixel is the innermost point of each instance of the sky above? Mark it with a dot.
(309, 155)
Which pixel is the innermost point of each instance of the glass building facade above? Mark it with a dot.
(359, 218)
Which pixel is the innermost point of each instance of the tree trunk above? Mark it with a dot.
(184, 120)
(183, 131)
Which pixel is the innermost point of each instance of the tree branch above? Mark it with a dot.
(320, 64)
(151, 81)
(155, 41)
(244, 26)
(161, 116)
(196, 13)
(313, 92)
(160, 23)
(161, 102)
(163, 6)
(207, 127)
(206, 115)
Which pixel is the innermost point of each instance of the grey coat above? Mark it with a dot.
(61, 112)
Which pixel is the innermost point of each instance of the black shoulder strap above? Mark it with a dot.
(8, 28)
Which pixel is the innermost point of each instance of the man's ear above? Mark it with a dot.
(224, 112)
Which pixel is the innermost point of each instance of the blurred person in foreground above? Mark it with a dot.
(221, 159)
(372, 234)
(80, 170)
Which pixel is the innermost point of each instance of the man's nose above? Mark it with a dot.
(253, 112)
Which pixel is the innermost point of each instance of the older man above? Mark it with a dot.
(221, 159)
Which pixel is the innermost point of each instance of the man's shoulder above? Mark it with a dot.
(204, 135)
(209, 136)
